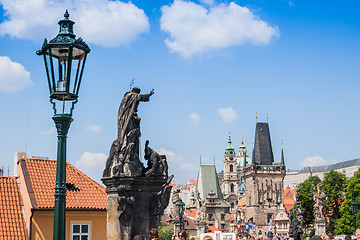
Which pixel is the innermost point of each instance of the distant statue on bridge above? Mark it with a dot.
(320, 200)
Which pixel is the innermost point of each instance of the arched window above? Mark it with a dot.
(232, 205)
(231, 168)
(232, 187)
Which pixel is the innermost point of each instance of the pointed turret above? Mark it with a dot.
(262, 154)
(229, 149)
(282, 157)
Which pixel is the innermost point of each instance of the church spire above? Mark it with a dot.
(229, 149)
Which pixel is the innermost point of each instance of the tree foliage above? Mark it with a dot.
(306, 189)
(345, 224)
(333, 185)
(166, 231)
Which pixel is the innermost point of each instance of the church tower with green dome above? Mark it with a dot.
(243, 160)
(230, 183)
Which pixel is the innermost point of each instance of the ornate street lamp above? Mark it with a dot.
(354, 208)
(181, 208)
(62, 55)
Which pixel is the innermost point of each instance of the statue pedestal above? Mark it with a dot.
(134, 205)
(201, 228)
(320, 226)
(176, 226)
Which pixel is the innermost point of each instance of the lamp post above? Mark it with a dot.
(354, 208)
(61, 55)
(181, 208)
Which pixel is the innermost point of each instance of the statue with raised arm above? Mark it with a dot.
(136, 196)
(124, 153)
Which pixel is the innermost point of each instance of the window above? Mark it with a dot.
(210, 216)
(222, 217)
(80, 231)
(232, 187)
(269, 217)
(222, 226)
(231, 168)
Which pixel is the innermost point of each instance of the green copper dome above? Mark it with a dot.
(229, 149)
(241, 161)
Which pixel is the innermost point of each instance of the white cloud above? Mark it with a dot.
(227, 114)
(93, 128)
(313, 161)
(195, 29)
(194, 118)
(51, 131)
(171, 157)
(102, 22)
(13, 76)
(91, 160)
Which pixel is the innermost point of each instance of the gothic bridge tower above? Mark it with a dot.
(264, 182)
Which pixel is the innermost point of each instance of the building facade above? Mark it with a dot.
(294, 177)
(86, 201)
(217, 209)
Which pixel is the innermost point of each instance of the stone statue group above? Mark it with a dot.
(124, 157)
(296, 227)
(136, 195)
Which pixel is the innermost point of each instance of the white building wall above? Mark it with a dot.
(294, 178)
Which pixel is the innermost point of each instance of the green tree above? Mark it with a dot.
(345, 224)
(333, 185)
(166, 231)
(306, 189)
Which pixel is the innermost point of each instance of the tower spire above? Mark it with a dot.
(282, 154)
(263, 154)
(229, 149)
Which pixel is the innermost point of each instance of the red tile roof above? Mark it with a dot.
(40, 175)
(192, 181)
(213, 229)
(191, 212)
(289, 198)
(12, 223)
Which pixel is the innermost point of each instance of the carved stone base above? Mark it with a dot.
(201, 228)
(133, 205)
(176, 226)
(320, 226)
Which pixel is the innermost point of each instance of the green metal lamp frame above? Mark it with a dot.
(181, 208)
(65, 48)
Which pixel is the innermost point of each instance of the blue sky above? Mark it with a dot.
(213, 65)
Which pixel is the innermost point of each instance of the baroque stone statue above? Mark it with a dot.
(319, 199)
(299, 216)
(124, 158)
(136, 196)
(200, 209)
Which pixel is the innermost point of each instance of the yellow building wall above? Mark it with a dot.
(43, 221)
